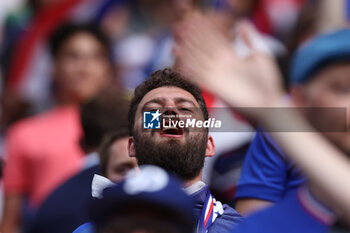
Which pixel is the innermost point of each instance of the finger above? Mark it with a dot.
(252, 38)
(192, 40)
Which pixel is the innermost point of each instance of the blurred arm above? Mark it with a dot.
(264, 174)
(327, 168)
(248, 206)
(15, 179)
(11, 219)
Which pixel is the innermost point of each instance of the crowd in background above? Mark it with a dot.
(65, 64)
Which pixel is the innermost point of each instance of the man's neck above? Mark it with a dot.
(192, 181)
(194, 188)
(190, 187)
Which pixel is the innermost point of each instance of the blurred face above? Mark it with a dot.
(82, 67)
(329, 88)
(177, 150)
(119, 163)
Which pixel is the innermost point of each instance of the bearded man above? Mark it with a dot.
(180, 150)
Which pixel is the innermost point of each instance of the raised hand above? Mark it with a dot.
(206, 56)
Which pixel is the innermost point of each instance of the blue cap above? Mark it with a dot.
(319, 52)
(152, 186)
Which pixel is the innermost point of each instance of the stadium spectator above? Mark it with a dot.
(181, 152)
(66, 208)
(24, 57)
(178, 151)
(43, 151)
(25, 60)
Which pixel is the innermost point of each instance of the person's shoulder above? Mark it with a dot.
(25, 127)
(42, 122)
(56, 115)
(231, 212)
(227, 221)
(79, 183)
(34, 121)
(68, 204)
(78, 186)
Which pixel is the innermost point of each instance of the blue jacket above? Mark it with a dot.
(66, 208)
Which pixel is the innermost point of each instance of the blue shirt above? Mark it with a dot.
(299, 213)
(266, 173)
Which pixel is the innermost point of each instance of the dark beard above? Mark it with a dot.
(184, 160)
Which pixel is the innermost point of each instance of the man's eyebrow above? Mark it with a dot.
(152, 101)
(184, 100)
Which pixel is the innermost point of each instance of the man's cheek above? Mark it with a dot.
(138, 125)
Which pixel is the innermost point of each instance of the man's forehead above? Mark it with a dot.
(168, 93)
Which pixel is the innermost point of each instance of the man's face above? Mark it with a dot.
(119, 163)
(178, 150)
(82, 67)
(329, 88)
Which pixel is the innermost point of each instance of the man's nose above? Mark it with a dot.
(169, 107)
(170, 111)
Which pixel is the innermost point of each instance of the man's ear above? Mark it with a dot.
(131, 147)
(210, 150)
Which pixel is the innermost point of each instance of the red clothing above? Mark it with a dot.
(41, 152)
